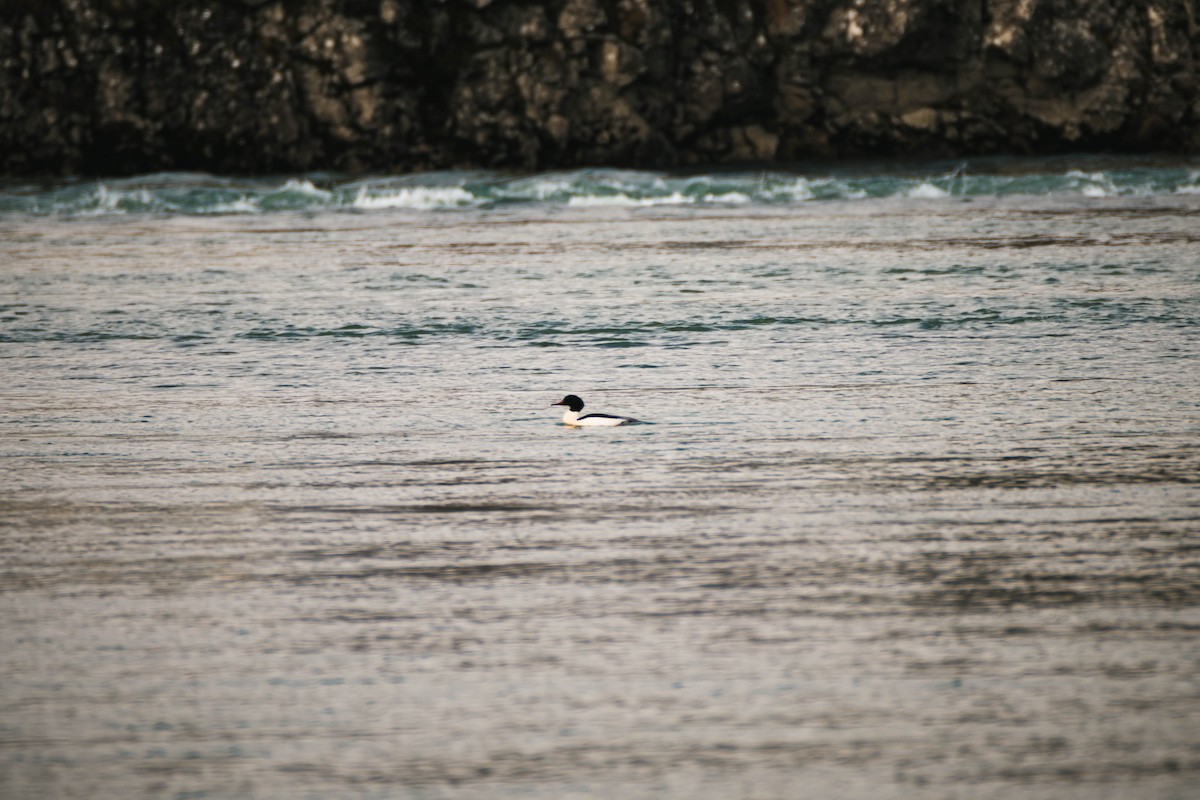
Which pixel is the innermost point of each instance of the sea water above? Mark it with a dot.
(287, 513)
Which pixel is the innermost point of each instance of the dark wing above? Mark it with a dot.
(608, 416)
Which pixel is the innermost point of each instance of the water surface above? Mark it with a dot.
(287, 513)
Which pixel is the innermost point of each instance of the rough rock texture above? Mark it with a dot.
(111, 86)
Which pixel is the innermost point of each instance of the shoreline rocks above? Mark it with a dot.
(257, 86)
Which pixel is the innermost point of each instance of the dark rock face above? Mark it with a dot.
(112, 86)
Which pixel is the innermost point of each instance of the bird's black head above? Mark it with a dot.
(570, 401)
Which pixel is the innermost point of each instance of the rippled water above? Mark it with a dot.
(287, 513)
(198, 194)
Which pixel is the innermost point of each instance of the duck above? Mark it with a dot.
(572, 418)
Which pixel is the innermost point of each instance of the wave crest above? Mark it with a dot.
(201, 194)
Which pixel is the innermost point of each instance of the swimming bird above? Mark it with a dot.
(575, 405)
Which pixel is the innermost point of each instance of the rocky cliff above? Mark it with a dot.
(115, 86)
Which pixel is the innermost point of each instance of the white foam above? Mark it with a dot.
(927, 191)
(732, 198)
(1192, 186)
(541, 190)
(1094, 184)
(674, 199)
(303, 187)
(420, 197)
(107, 202)
(242, 205)
(797, 190)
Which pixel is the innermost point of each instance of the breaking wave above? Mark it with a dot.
(181, 193)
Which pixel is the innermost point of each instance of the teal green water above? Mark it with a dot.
(188, 193)
(288, 513)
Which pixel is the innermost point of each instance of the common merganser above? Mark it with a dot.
(575, 405)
